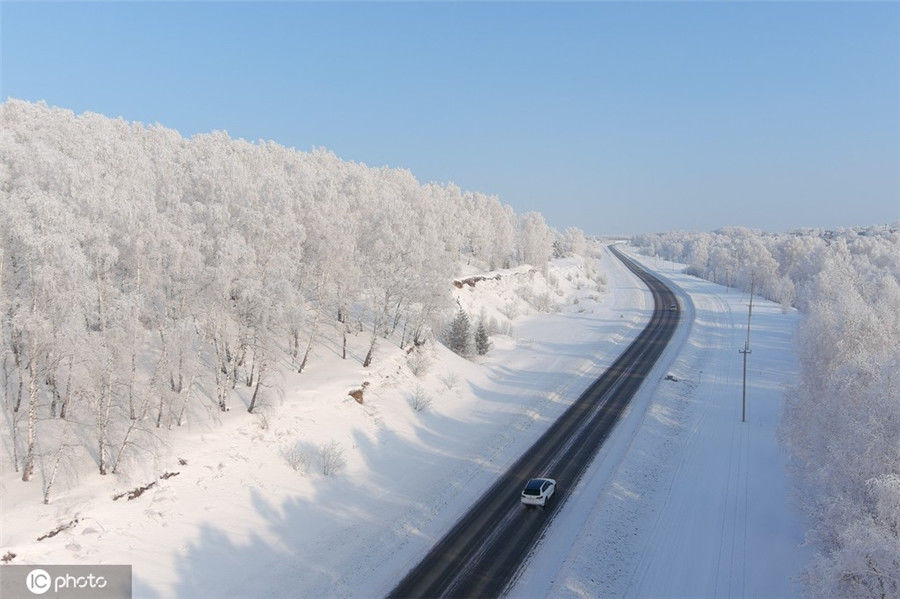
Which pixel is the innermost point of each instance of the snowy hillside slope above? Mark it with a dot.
(250, 512)
(698, 505)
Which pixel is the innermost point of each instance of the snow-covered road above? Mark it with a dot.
(687, 501)
(486, 547)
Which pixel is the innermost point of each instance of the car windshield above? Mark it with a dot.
(533, 487)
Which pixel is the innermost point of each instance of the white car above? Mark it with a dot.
(538, 491)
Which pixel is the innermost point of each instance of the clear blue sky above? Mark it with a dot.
(613, 117)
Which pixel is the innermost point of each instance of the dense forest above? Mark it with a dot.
(842, 420)
(144, 275)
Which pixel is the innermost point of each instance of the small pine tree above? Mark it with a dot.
(459, 333)
(482, 343)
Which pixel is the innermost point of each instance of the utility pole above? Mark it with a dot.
(746, 352)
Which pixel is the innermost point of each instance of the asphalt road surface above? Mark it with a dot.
(487, 546)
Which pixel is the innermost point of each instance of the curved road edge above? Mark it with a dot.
(487, 547)
(540, 568)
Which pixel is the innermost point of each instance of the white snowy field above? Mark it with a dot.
(239, 521)
(685, 500)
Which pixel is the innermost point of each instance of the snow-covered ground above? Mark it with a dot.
(685, 500)
(239, 521)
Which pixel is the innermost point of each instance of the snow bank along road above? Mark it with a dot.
(482, 552)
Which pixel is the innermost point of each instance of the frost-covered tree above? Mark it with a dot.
(535, 240)
(574, 241)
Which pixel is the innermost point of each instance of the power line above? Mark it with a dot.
(746, 352)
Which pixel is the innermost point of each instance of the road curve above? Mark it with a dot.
(480, 555)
